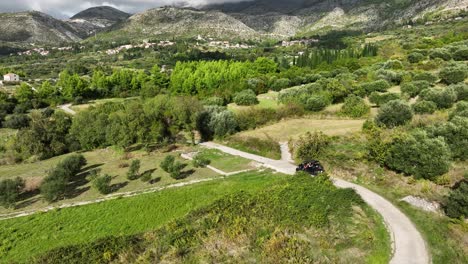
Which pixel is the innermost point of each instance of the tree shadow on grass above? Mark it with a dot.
(118, 186)
(28, 198)
(155, 180)
(91, 167)
(186, 174)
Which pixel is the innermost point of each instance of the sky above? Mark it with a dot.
(67, 8)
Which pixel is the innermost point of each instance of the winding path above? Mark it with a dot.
(66, 108)
(407, 243)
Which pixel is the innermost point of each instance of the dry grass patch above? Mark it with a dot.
(293, 128)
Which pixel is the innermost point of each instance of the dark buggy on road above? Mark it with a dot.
(312, 167)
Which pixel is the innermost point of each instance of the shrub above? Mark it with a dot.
(389, 76)
(223, 123)
(134, 170)
(73, 164)
(461, 54)
(461, 109)
(381, 99)
(425, 76)
(442, 98)
(456, 203)
(455, 133)
(415, 57)
(246, 97)
(424, 107)
(355, 107)
(280, 84)
(167, 163)
(414, 88)
(317, 102)
(419, 155)
(54, 185)
(102, 183)
(394, 113)
(199, 161)
(376, 86)
(441, 54)
(454, 73)
(311, 146)
(393, 64)
(146, 176)
(461, 90)
(217, 101)
(17, 121)
(10, 190)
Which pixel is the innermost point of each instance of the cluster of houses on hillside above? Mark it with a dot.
(43, 52)
(224, 44)
(145, 45)
(304, 42)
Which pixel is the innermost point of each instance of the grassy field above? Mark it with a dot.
(226, 162)
(27, 236)
(293, 128)
(268, 100)
(274, 219)
(108, 161)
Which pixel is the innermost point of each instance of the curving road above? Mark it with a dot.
(408, 245)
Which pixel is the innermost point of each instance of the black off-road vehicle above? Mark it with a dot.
(312, 167)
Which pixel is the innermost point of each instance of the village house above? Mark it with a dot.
(11, 77)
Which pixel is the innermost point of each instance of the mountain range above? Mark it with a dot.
(244, 20)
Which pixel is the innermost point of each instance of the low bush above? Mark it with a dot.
(454, 73)
(390, 76)
(317, 102)
(419, 155)
(394, 113)
(455, 133)
(441, 53)
(311, 146)
(425, 76)
(246, 97)
(381, 99)
(461, 90)
(393, 65)
(415, 57)
(461, 54)
(424, 107)
(456, 203)
(10, 189)
(217, 101)
(355, 107)
(443, 98)
(414, 88)
(167, 163)
(376, 86)
(280, 84)
(173, 167)
(461, 109)
(200, 162)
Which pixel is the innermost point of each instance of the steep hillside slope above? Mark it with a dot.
(35, 27)
(183, 22)
(97, 18)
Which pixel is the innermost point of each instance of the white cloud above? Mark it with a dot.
(66, 8)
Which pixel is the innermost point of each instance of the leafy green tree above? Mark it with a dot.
(414, 88)
(394, 113)
(176, 170)
(456, 203)
(10, 189)
(441, 54)
(376, 86)
(134, 170)
(17, 121)
(415, 57)
(24, 93)
(311, 146)
(355, 107)
(419, 155)
(380, 99)
(167, 163)
(461, 54)
(316, 102)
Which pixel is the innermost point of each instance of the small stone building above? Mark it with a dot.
(11, 77)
